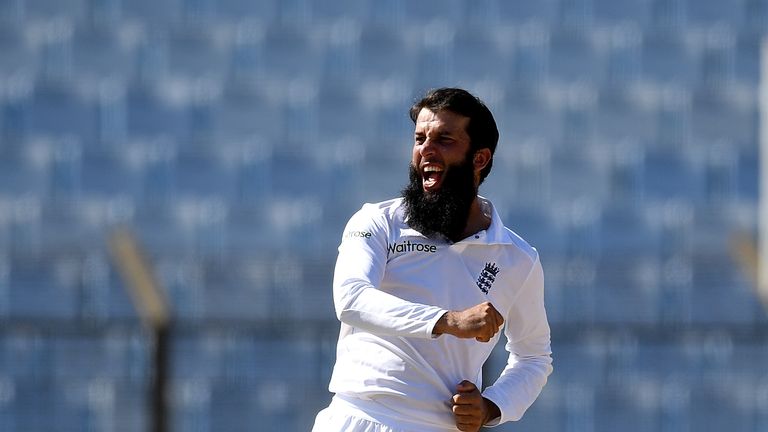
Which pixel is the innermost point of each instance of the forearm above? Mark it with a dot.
(519, 385)
(362, 306)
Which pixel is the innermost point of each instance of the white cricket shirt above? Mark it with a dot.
(392, 284)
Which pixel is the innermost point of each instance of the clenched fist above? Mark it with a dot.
(470, 409)
(480, 322)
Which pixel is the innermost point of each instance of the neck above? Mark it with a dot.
(477, 220)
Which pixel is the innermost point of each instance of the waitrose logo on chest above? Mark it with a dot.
(409, 246)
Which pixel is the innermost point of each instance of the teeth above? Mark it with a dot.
(432, 169)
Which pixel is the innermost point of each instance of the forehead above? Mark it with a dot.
(442, 121)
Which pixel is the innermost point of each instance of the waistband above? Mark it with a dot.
(378, 409)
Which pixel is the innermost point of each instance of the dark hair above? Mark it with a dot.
(482, 129)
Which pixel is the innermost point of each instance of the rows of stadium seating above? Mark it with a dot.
(703, 380)
(238, 136)
(632, 287)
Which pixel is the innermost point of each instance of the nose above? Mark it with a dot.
(427, 148)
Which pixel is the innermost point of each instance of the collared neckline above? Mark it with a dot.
(494, 234)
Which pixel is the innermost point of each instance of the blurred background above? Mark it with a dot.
(236, 137)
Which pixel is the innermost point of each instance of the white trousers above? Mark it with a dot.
(334, 420)
(338, 417)
(354, 415)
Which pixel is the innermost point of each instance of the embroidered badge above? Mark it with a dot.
(487, 277)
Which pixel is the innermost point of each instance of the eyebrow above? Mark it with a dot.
(440, 133)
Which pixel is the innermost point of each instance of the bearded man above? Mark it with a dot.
(425, 283)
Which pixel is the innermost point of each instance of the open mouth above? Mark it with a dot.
(432, 176)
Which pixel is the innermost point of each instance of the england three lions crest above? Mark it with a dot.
(487, 277)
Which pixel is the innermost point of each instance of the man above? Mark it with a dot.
(424, 283)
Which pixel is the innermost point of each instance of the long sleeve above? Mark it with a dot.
(360, 267)
(530, 360)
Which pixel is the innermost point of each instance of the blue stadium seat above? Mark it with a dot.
(385, 55)
(340, 112)
(340, 61)
(530, 115)
(667, 15)
(419, 13)
(521, 12)
(577, 176)
(668, 58)
(479, 55)
(625, 166)
(152, 115)
(432, 56)
(101, 53)
(625, 230)
(717, 60)
(636, 400)
(623, 114)
(755, 15)
(196, 55)
(246, 114)
(480, 14)
(194, 224)
(748, 173)
(7, 402)
(611, 12)
(249, 224)
(676, 289)
(44, 288)
(57, 109)
(19, 57)
(238, 289)
(721, 295)
(246, 11)
(623, 60)
(204, 173)
(722, 405)
(290, 52)
(577, 288)
(673, 119)
(384, 14)
(721, 173)
(671, 175)
(16, 110)
(575, 13)
(536, 225)
(70, 10)
(152, 14)
(747, 57)
(109, 173)
(22, 224)
(531, 55)
(708, 14)
(24, 170)
(724, 114)
(33, 396)
(330, 11)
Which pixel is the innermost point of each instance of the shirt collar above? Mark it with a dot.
(494, 234)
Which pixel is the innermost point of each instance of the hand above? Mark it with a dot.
(470, 409)
(481, 322)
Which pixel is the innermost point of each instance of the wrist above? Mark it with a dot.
(492, 410)
(443, 325)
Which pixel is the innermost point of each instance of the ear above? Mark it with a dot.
(481, 159)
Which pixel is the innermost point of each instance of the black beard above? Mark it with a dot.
(445, 211)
